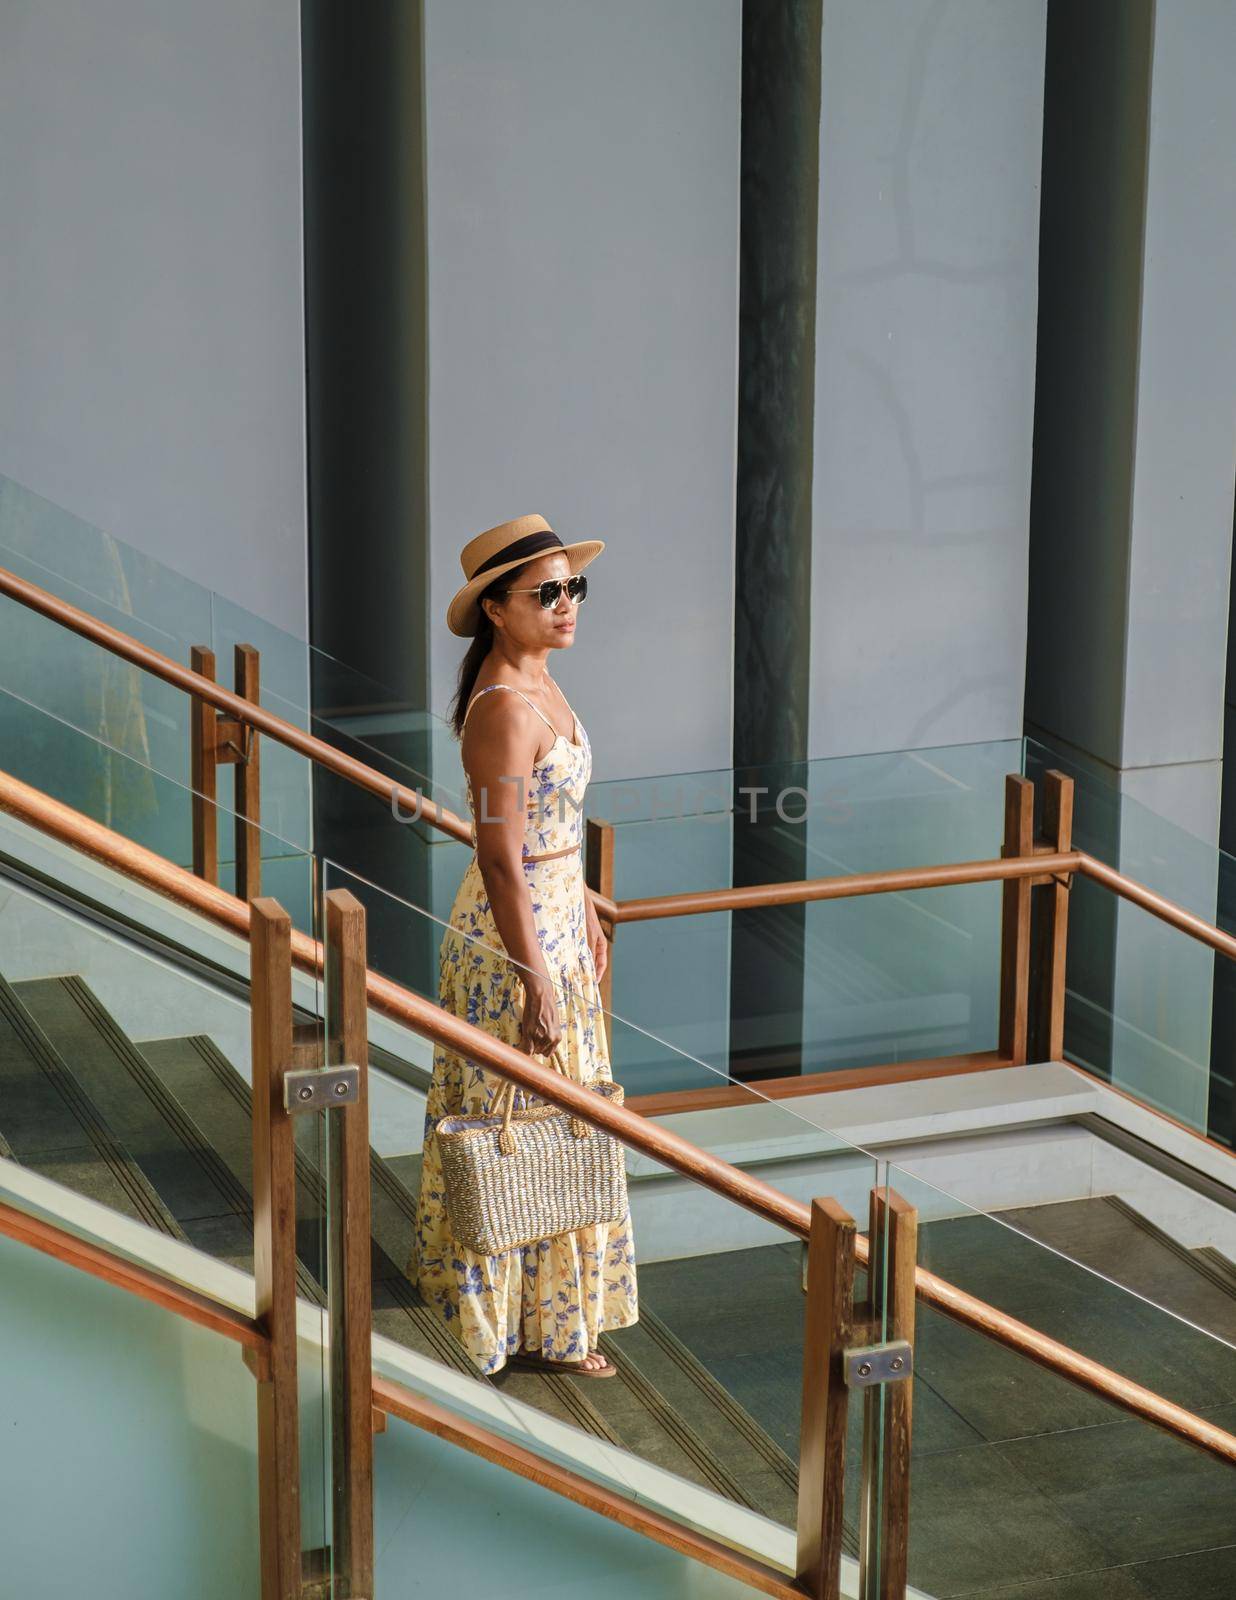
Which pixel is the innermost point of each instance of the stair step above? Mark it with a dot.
(1110, 1236)
(765, 1475)
(393, 1216)
(407, 1169)
(52, 1126)
(631, 1411)
(638, 1407)
(197, 1072)
(576, 1400)
(160, 1135)
(1220, 1268)
(407, 1072)
(726, 1330)
(199, 1076)
(194, 1070)
(185, 1113)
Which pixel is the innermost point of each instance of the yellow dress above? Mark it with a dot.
(553, 1297)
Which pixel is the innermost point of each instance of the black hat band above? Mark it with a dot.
(521, 549)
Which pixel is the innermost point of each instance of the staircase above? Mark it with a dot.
(1010, 1475)
(160, 1130)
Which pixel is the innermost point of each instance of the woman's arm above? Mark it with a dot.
(597, 942)
(499, 749)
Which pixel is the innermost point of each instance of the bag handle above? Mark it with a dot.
(508, 1141)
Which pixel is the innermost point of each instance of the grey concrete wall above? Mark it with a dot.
(1180, 551)
(1132, 518)
(1185, 455)
(1094, 183)
(1134, 443)
(930, 146)
(151, 308)
(582, 205)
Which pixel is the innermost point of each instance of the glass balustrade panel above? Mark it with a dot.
(1023, 1476)
(817, 987)
(127, 1057)
(1148, 1009)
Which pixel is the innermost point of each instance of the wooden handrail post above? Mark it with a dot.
(1015, 920)
(884, 1528)
(351, 1300)
(203, 771)
(274, 1250)
(1058, 835)
(248, 780)
(217, 740)
(821, 1470)
(599, 875)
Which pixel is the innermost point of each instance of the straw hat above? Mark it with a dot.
(499, 549)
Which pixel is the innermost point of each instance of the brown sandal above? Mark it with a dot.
(575, 1369)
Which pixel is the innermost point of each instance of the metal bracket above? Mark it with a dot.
(320, 1088)
(233, 740)
(878, 1363)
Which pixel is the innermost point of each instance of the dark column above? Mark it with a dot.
(776, 379)
(365, 307)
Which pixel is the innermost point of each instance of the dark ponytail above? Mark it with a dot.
(482, 644)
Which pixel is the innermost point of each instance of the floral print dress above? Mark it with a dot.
(556, 1296)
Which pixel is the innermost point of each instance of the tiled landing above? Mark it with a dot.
(1024, 1486)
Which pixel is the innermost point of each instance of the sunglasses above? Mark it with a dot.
(550, 591)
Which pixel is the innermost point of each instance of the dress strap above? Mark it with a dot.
(521, 695)
(574, 719)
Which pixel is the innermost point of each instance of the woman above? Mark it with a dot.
(527, 959)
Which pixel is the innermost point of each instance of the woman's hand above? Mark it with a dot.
(597, 942)
(540, 1026)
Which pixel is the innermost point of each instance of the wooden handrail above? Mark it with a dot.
(397, 1401)
(92, 838)
(410, 802)
(791, 1215)
(391, 1399)
(275, 727)
(121, 644)
(1071, 1364)
(131, 1276)
(1157, 905)
(662, 1144)
(432, 1021)
(844, 887)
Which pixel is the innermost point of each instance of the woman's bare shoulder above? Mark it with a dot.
(493, 717)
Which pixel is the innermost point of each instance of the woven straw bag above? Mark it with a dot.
(515, 1177)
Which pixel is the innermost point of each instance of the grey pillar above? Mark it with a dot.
(1132, 510)
(772, 569)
